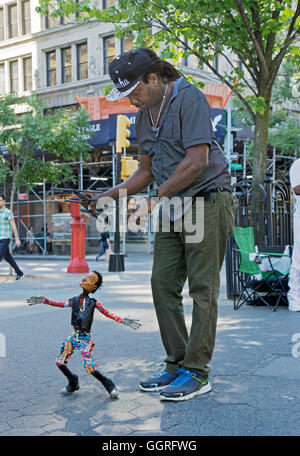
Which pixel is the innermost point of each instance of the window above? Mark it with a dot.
(26, 22)
(12, 21)
(66, 67)
(2, 78)
(196, 63)
(108, 51)
(1, 24)
(126, 43)
(82, 61)
(51, 68)
(27, 73)
(63, 20)
(14, 76)
(50, 21)
(216, 62)
(237, 63)
(107, 4)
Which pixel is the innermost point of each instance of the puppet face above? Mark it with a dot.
(89, 282)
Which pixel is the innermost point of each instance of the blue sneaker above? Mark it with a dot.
(158, 382)
(186, 386)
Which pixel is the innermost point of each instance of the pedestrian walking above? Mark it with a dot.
(7, 227)
(104, 241)
(178, 151)
(294, 275)
(83, 307)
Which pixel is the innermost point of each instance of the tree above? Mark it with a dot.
(261, 33)
(284, 122)
(21, 139)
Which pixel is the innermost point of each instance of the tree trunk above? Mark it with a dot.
(261, 142)
(260, 165)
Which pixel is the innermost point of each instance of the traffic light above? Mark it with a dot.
(122, 132)
(128, 167)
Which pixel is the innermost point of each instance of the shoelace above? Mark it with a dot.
(159, 374)
(183, 375)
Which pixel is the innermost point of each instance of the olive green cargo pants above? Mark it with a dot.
(174, 261)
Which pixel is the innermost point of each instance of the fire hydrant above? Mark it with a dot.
(78, 234)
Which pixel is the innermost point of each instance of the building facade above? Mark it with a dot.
(60, 59)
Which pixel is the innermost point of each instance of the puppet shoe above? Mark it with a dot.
(71, 387)
(113, 394)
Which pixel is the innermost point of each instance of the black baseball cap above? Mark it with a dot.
(126, 71)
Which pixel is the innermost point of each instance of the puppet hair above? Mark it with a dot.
(100, 281)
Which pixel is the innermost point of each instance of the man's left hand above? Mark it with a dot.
(142, 209)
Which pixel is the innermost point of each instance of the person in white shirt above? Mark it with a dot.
(294, 276)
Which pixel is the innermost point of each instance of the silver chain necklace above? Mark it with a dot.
(155, 125)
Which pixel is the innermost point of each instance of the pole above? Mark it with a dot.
(116, 260)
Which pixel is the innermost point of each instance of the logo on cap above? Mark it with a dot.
(121, 84)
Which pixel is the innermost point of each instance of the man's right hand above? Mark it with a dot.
(35, 300)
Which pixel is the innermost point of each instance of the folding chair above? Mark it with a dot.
(261, 274)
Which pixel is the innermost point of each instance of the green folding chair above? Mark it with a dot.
(261, 274)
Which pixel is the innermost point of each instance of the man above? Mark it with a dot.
(294, 276)
(7, 226)
(177, 150)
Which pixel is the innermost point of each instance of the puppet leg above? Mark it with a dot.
(66, 351)
(91, 368)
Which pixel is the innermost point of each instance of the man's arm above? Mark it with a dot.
(297, 190)
(195, 161)
(15, 231)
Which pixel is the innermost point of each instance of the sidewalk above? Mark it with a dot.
(255, 369)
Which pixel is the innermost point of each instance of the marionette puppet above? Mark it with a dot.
(83, 307)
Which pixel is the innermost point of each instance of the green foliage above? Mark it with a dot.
(24, 138)
(260, 33)
(284, 123)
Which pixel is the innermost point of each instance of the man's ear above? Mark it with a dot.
(153, 78)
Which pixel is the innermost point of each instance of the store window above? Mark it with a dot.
(66, 66)
(51, 68)
(82, 61)
(26, 21)
(12, 21)
(14, 76)
(27, 73)
(108, 51)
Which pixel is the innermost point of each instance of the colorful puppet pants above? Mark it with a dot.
(81, 342)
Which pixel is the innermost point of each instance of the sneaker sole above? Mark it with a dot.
(205, 389)
(154, 389)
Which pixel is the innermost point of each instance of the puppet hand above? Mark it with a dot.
(131, 323)
(35, 300)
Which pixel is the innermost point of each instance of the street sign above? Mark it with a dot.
(236, 166)
(234, 156)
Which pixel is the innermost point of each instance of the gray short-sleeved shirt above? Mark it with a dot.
(185, 122)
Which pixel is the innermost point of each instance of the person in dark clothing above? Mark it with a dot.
(105, 244)
(7, 227)
(83, 307)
